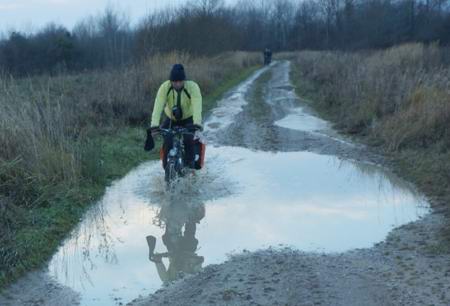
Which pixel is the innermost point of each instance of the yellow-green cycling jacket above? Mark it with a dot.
(166, 99)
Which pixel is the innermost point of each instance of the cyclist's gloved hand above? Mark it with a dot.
(149, 142)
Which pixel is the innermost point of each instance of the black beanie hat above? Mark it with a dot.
(177, 73)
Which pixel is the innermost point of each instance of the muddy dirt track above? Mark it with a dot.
(406, 268)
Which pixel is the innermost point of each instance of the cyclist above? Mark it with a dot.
(267, 56)
(181, 101)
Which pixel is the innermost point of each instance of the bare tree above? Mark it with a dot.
(206, 27)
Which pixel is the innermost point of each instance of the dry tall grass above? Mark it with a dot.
(400, 95)
(44, 121)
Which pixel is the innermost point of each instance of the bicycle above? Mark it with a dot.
(175, 164)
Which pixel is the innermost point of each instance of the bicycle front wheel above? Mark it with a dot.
(170, 172)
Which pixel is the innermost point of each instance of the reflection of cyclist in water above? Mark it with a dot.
(181, 246)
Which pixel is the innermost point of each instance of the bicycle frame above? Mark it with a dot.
(175, 165)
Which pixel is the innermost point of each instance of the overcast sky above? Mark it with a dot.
(28, 15)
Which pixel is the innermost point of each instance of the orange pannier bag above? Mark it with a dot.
(200, 149)
(161, 157)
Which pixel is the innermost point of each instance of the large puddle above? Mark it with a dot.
(242, 200)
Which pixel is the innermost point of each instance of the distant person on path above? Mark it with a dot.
(181, 101)
(267, 56)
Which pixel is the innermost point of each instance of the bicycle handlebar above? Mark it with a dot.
(177, 130)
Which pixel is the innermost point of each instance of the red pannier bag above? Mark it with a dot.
(199, 154)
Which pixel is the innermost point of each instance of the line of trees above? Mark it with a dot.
(207, 27)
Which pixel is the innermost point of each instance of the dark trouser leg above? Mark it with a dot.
(168, 141)
(188, 141)
(167, 146)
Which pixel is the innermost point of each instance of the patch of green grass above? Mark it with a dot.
(257, 108)
(260, 85)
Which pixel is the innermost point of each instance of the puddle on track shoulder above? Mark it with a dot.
(301, 121)
(242, 200)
